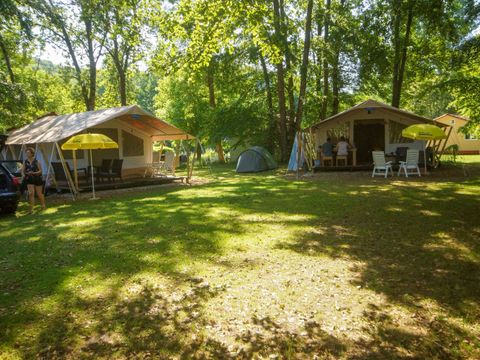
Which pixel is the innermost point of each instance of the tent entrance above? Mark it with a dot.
(368, 135)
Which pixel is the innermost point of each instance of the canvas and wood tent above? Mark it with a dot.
(372, 125)
(133, 128)
(468, 143)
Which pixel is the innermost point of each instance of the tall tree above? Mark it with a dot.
(122, 21)
(74, 26)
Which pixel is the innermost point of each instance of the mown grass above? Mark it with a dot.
(335, 266)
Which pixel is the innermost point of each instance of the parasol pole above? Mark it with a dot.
(91, 170)
(425, 155)
(75, 172)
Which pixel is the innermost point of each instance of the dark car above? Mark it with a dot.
(9, 186)
(9, 182)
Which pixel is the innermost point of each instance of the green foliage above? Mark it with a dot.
(464, 83)
(205, 58)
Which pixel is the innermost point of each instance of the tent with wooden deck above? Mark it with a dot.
(372, 125)
(134, 129)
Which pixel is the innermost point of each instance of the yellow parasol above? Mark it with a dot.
(89, 142)
(424, 132)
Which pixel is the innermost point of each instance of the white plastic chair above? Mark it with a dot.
(380, 166)
(169, 164)
(410, 163)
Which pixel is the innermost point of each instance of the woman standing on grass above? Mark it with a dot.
(32, 177)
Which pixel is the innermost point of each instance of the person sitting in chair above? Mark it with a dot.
(327, 152)
(327, 148)
(342, 147)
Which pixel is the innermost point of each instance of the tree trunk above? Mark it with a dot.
(280, 89)
(304, 67)
(213, 105)
(271, 114)
(122, 84)
(335, 82)
(323, 112)
(288, 72)
(199, 152)
(6, 58)
(319, 57)
(76, 66)
(303, 81)
(92, 66)
(403, 60)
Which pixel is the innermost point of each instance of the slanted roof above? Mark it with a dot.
(452, 115)
(371, 104)
(54, 128)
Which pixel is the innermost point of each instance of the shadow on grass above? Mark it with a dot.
(415, 243)
(419, 247)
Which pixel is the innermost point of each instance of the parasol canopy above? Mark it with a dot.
(89, 142)
(424, 132)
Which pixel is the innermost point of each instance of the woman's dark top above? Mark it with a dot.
(35, 179)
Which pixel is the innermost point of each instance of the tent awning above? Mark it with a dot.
(50, 129)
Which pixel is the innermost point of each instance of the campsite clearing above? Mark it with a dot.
(339, 266)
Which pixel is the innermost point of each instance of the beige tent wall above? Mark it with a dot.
(132, 165)
(466, 146)
(320, 131)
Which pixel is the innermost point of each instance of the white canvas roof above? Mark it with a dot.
(55, 128)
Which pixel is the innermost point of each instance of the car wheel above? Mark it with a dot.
(10, 209)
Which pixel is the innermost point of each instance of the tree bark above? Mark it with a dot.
(323, 112)
(92, 71)
(288, 72)
(199, 151)
(338, 39)
(303, 81)
(335, 82)
(280, 88)
(6, 58)
(213, 105)
(319, 59)
(88, 92)
(121, 65)
(271, 114)
(401, 52)
(304, 67)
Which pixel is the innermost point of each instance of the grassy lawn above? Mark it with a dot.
(334, 266)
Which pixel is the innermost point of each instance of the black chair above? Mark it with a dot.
(104, 169)
(114, 172)
(60, 176)
(401, 154)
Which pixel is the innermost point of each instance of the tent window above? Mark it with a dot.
(395, 133)
(100, 155)
(132, 145)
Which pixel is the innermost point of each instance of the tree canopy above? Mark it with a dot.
(238, 72)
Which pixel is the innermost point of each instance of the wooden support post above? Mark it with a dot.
(440, 154)
(71, 185)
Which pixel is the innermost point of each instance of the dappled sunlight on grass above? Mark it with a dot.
(246, 266)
